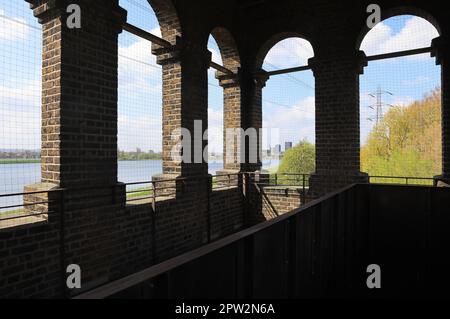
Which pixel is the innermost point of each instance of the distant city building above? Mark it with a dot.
(276, 150)
(287, 146)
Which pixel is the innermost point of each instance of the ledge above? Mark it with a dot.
(22, 221)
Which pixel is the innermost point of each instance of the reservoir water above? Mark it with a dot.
(14, 177)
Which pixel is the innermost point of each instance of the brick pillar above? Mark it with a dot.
(337, 121)
(442, 53)
(79, 93)
(195, 65)
(169, 59)
(232, 121)
(185, 100)
(252, 86)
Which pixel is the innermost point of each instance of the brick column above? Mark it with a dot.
(442, 53)
(337, 121)
(195, 64)
(79, 94)
(232, 121)
(169, 59)
(252, 86)
(185, 100)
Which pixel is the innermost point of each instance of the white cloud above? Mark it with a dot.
(215, 131)
(294, 123)
(13, 29)
(137, 64)
(20, 128)
(289, 53)
(215, 55)
(140, 82)
(416, 33)
(29, 92)
(291, 116)
(402, 101)
(420, 80)
(20, 116)
(156, 31)
(144, 132)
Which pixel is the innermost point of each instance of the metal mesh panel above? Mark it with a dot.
(400, 103)
(20, 99)
(288, 102)
(140, 99)
(215, 113)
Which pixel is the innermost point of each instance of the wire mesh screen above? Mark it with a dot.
(140, 99)
(289, 110)
(400, 103)
(215, 113)
(20, 99)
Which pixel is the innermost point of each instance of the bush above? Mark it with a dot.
(300, 159)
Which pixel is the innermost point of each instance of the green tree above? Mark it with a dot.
(407, 142)
(300, 159)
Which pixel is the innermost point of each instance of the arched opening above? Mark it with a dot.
(224, 102)
(20, 100)
(140, 95)
(288, 109)
(400, 103)
(215, 113)
(144, 93)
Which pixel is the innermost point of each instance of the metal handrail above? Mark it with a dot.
(232, 180)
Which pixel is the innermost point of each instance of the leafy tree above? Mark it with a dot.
(407, 142)
(299, 160)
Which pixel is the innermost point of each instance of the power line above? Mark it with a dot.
(140, 62)
(289, 76)
(143, 7)
(267, 101)
(19, 22)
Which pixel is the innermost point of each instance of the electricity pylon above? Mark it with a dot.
(379, 106)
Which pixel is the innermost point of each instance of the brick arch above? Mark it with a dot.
(398, 11)
(268, 45)
(228, 48)
(167, 16)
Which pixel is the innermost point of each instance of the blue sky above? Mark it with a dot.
(288, 100)
(20, 76)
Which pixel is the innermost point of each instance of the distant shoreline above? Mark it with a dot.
(6, 161)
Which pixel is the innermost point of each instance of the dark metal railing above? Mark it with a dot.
(281, 179)
(154, 190)
(416, 181)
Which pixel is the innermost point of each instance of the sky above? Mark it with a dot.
(288, 100)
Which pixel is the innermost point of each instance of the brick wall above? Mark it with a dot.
(29, 261)
(111, 241)
(227, 212)
(265, 203)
